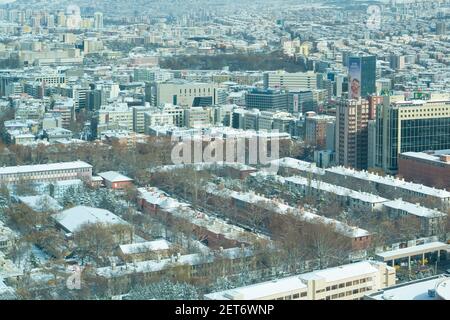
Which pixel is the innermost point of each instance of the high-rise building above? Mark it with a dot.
(441, 28)
(316, 129)
(301, 102)
(415, 125)
(98, 20)
(352, 116)
(362, 76)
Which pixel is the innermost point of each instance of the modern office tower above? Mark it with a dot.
(301, 102)
(441, 28)
(362, 76)
(352, 116)
(415, 125)
(316, 129)
(290, 81)
(269, 99)
(61, 19)
(183, 93)
(94, 99)
(98, 20)
(371, 143)
(51, 21)
(397, 61)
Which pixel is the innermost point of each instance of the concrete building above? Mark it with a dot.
(316, 129)
(290, 81)
(184, 93)
(432, 288)
(352, 117)
(118, 113)
(46, 172)
(98, 20)
(346, 282)
(198, 117)
(301, 101)
(139, 118)
(267, 100)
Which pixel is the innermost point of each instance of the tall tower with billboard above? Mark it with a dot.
(362, 76)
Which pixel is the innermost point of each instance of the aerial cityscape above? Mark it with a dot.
(224, 150)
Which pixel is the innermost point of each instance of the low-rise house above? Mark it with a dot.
(115, 180)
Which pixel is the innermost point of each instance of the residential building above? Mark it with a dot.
(352, 117)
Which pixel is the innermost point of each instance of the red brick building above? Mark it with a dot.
(429, 168)
(115, 180)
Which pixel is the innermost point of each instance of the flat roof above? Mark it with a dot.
(416, 290)
(141, 247)
(45, 167)
(433, 156)
(260, 290)
(414, 250)
(294, 283)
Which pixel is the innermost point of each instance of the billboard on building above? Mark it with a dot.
(354, 72)
(295, 103)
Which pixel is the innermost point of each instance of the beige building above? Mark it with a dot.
(198, 117)
(347, 282)
(139, 118)
(290, 81)
(184, 93)
(118, 113)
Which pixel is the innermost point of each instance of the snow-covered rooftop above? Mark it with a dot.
(114, 176)
(141, 247)
(282, 208)
(45, 167)
(295, 283)
(159, 198)
(73, 218)
(341, 191)
(417, 290)
(299, 165)
(414, 209)
(158, 265)
(391, 181)
(41, 203)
